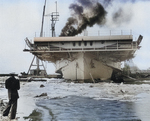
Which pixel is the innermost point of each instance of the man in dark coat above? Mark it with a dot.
(13, 85)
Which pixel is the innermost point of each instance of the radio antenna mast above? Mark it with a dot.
(54, 18)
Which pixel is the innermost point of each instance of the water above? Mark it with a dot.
(75, 108)
(83, 102)
(142, 106)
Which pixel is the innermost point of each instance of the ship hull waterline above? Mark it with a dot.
(85, 68)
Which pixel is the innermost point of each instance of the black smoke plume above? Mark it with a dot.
(85, 13)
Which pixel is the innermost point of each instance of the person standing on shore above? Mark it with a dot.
(13, 85)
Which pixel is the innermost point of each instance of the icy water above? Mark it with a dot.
(94, 102)
(83, 102)
(75, 108)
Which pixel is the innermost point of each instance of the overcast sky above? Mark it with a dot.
(22, 18)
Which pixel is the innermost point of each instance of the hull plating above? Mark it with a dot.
(86, 67)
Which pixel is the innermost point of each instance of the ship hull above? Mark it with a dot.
(86, 66)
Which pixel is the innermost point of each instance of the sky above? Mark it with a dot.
(22, 18)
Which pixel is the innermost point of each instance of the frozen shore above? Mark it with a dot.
(30, 94)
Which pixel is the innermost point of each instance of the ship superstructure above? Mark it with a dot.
(86, 57)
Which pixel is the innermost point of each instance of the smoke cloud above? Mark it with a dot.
(86, 13)
(120, 16)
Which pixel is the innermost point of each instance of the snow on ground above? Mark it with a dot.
(58, 88)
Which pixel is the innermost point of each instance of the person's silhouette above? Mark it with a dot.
(13, 85)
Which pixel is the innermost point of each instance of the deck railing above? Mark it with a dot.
(117, 46)
(92, 33)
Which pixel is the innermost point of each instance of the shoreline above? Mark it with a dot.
(56, 89)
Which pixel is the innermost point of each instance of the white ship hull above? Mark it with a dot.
(86, 67)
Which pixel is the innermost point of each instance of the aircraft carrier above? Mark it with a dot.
(85, 57)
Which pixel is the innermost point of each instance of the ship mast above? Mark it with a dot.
(54, 18)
